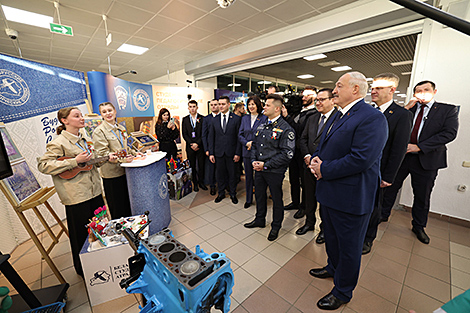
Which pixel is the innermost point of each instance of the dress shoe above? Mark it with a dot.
(273, 234)
(320, 238)
(234, 199)
(304, 229)
(320, 273)
(213, 191)
(247, 205)
(254, 224)
(366, 247)
(196, 188)
(299, 214)
(202, 186)
(421, 235)
(291, 206)
(330, 302)
(219, 198)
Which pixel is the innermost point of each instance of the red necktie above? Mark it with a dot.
(414, 133)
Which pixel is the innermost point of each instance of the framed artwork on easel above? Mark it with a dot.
(12, 151)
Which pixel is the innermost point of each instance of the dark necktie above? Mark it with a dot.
(320, 126)
(337, 117)
(414, 133)
(224, 123)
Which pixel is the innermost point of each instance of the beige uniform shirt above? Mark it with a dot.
(105, 141)
(86, 185)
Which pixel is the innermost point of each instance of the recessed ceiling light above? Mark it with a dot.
(397, 91)
(305, 76)
(264, 82)
(236, 85)
(401, 95)
(26, 17)
(406, 73)
(329, 63)
(132, 49)
(369, 79)
(341, 68)
(401, 63)
(315, 57)
(326, 82)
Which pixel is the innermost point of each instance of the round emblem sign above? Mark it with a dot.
(141, 99)
(13, 89)
(163, 186)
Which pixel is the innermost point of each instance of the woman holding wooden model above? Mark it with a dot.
(69, 159)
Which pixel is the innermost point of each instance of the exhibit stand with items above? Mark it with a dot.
(148, 189)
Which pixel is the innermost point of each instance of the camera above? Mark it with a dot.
(13, 34)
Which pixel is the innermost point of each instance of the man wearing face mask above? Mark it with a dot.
(296, 178)
(435, 124)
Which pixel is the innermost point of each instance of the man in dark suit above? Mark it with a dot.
(308, 144)
(296, 166)
(192, 134)
(346, 165)
(435, 124)
(399, 122)
(206, 126)
(225, 149)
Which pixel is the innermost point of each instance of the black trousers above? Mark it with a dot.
(375, 217)
(310, 186)
(274, 182)
(296, 179)
(226, 175)
(210, 177)
(170, 148)
(78, 216)
(248, 179)
(197, 161)
(422, 182)
(344, 237)
(117, 196)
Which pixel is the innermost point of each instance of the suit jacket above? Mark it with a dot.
(206, 126)
(247, 133)
(439, 128)
(187, 130)
(400, 122)
(309, 140)
(227, 143)
(298, 123)
(351, 153)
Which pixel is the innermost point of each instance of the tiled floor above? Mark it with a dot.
(398, 275)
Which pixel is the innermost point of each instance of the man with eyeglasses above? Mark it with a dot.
(296, 167)
(399, 122)
(308, 144)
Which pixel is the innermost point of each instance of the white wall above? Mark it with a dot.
(442, 57)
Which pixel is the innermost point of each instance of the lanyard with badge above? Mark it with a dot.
(120, 137)
(87, 147)
(193, 124)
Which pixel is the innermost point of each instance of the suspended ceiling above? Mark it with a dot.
(176, 31)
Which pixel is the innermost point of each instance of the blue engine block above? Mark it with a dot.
(173, 279)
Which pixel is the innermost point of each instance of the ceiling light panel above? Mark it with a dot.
(132, 49)
(341, 68)
(329, 63)
(26, 17)
(401, 63)
(305, 76)
(315, 57)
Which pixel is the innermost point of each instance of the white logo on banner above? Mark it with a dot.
(13, 89)
(141, 99)
(121, 96)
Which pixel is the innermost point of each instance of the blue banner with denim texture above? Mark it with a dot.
(30, 88)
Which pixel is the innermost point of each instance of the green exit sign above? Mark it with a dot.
(61, 29)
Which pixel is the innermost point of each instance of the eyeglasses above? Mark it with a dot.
(322, 99)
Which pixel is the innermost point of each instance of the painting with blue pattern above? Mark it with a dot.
(30, 88)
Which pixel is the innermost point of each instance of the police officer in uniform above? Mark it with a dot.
(272, 149)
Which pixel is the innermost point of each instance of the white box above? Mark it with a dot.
(104, 269)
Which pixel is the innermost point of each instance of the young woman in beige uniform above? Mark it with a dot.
(112, 137)
(81, 194)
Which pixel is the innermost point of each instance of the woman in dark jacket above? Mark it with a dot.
(249, 124)
(167, 132)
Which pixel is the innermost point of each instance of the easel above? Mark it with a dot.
(33, 202)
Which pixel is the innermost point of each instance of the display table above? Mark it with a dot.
(148, 189)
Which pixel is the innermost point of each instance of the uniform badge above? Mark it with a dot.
(291, 136)
(274, 135)
(290, 154)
